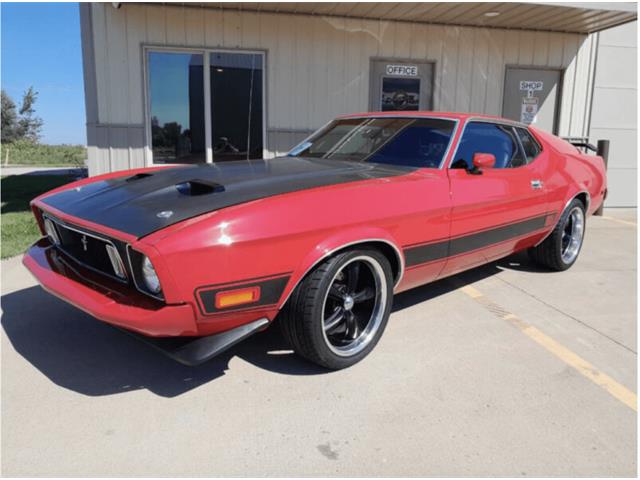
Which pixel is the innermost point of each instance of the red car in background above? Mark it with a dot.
(368, 206)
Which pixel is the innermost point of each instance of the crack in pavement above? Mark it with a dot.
(553, 307)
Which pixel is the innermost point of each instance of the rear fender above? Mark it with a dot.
(343, 240)
(585, 189)
(582, 195)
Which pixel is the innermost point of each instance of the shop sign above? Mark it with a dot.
(531, 85)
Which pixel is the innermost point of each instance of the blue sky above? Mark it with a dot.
(41, 47)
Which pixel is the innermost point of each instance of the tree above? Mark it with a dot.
(29, 126)
(9, 119)
(23, 125)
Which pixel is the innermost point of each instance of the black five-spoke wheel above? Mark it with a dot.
(352, 306)
(339, 311)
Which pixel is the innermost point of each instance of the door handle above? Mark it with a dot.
(536, 184)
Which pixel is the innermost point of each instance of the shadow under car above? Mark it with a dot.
(82, 354)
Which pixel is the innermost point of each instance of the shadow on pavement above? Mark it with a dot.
(517, 262)
(87, 356)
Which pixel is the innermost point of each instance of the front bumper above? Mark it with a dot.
(117, 306)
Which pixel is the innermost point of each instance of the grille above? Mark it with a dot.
(86, 248)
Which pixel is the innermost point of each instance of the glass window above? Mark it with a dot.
(176, 96)
(400, 94)
(530, 146)
(408, 142)
(236, 105)
(482, 137)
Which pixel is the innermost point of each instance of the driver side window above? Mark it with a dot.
(484, 137)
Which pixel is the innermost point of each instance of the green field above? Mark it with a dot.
(18, 227)
(30, 154)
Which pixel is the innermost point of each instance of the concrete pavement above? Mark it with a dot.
(454, 388)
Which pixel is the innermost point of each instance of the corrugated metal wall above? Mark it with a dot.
(614, 113)
(317, 67)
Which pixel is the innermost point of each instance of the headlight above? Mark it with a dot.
(150, 277)
(50, 228)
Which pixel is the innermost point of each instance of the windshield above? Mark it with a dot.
(410, 142)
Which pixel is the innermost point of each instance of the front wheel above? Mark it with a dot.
(560, 249)
(337, 314)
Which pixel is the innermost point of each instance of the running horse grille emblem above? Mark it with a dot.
(84, 242)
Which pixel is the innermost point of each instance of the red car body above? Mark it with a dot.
(431, 223)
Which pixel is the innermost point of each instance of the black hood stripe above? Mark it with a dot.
(131, 204)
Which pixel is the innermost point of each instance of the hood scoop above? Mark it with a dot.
(138, 176)
(193, 188)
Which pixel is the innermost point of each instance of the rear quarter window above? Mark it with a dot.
(529, 144)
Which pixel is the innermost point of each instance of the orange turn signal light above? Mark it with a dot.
(241, 296)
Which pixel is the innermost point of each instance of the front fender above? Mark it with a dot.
(337, 242)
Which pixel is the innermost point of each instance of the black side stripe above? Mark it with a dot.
(417, 255)
(425, 253)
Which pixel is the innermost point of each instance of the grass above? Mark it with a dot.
(18, 225)
(36, 154)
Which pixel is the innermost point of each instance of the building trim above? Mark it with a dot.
(612, 13)
(593, 66)
(291, 130)
(115, 125)
(88, 63)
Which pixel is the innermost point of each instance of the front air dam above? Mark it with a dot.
(193, 351)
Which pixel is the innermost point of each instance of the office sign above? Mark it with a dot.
(402, 70)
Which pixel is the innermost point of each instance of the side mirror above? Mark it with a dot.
(484, 160)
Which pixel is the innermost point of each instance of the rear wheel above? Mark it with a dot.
(337, 314)
(560, 249)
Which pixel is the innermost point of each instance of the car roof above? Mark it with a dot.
(430, 114)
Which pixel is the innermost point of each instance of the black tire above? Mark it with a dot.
(550, 252)
(303, 319)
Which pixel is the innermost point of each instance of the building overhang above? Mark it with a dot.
(567, 17)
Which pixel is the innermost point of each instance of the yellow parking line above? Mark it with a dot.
(614, 388)
(472, 292)
(624, 222)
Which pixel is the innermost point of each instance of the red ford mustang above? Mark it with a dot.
(322, 238)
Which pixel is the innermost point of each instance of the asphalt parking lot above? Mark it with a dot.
(506, 370)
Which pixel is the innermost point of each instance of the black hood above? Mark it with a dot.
(133, 204)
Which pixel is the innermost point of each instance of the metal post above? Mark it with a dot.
(603, 151)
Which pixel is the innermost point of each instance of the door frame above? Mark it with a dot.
(562, 70)
(205, 51)
(404, 60)
(497, 121)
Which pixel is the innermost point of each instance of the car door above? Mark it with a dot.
(495, 211)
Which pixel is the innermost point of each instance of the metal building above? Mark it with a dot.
(176, 83)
